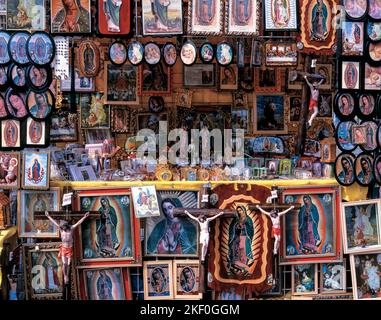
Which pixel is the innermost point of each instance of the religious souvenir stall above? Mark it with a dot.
(197, 149)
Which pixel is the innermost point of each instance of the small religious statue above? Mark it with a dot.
(275, 215)
(66, 247)
(111, 9)
(203, 221)
(314, 99)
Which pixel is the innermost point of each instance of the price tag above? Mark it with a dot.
(66, 200)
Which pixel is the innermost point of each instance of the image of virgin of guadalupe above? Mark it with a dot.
(206, 11)
(88, 59)
(4, 56)
(111, 10)
(242, 12)
(308, 223)
(52, 282)
(365, 175)
(104, 286)
(20, 54)
(187, 279)
(158, 280)
(35, 131)
(10, 134)
(319, 28)
(107, 240)
(346, 176)
(71, 18)
(241, 233)
(350, 76)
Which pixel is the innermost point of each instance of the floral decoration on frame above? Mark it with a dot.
(267, 80)
(242, 17)
(280, 15)
(205, 17)
(317, 30)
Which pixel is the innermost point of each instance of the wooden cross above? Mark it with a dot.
(208, 213)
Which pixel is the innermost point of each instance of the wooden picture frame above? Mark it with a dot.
(330, 284)
(150, 75)
(281, 54)
(306, 281)
(125, 251)
(30, 200)
(120, 119)
(325, 69)
(267, 80)
(325, 204)
(264, 121)
(160, 288)
(186, 279)
(10, 173)
(118, 81)
(94, 112)
(358, 241)
(280, 19)
(33, 17)
(36, 170)
(242, 18)
(212, 23)
(39, 256)
(228, 79)
(200, 75)
(64, 126)
(184, 98)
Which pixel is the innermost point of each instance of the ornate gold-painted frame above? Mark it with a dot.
(218, 26)
(250, 30)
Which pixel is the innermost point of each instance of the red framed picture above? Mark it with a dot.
(113, 238)
(311, 233)
(114, 17)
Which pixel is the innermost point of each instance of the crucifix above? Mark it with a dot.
(66, 227)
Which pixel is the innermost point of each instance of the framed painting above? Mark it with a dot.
(81, 84)
(272, 166)
(63, 23)
(325, 105)
(326, 70)
(294, 85)
(333, 277)
(281, 54)
(162, 18)
(311, 234)
(43, 272)
(113, 239)
(205, 17)
(352, 38)
(155, 79)
(146, 204)
(10, 170)
(356, 10)
(150, 121)
(104, 284)
(31, 201)
(229, 78)
(240, 100)
(88, 58)
(242, 17)
(318, 35)
(36, 170)
(267, 80)
(184, 98)
(158, 280)
(36, 133)
(366, 276)
(121, 84)
(350, 75)
(11, 134)
(270, 114)
(185, 231)
(95, 114)
(64, 126)
(114, 18)
(295, 103)
(361, 225)
(304, 279)
(186, 278)
(120, 122)
(280, 15)
(372, 77)
(200, 75)
(240, 119)
(22, 15)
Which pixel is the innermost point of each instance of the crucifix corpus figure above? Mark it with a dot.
(275, 215)
(203, 221)
(314, 98)
(66, 247)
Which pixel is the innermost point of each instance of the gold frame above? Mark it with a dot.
(145, 279)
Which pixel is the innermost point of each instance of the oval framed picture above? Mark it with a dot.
(374, 51)
(224, 53)
(170, 54)
(4, 52)
(3, 78)
(188, 53)
(207, 52)
(377, 169)
(17, 76)
(373, 31)
(343, 136)
(344, 106)
(371, 136)
(41, 48)
(135, 52)
(345, 169)
(39, 78)
(364, 169)
(15, 103)
(17, 47)
(117, 53)
(367, 106)
(3, 108)
(379, 135)
(40, 104)
(152, 54)
(36, 133)
(374, 9)
(355, 9)
(156, 104)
